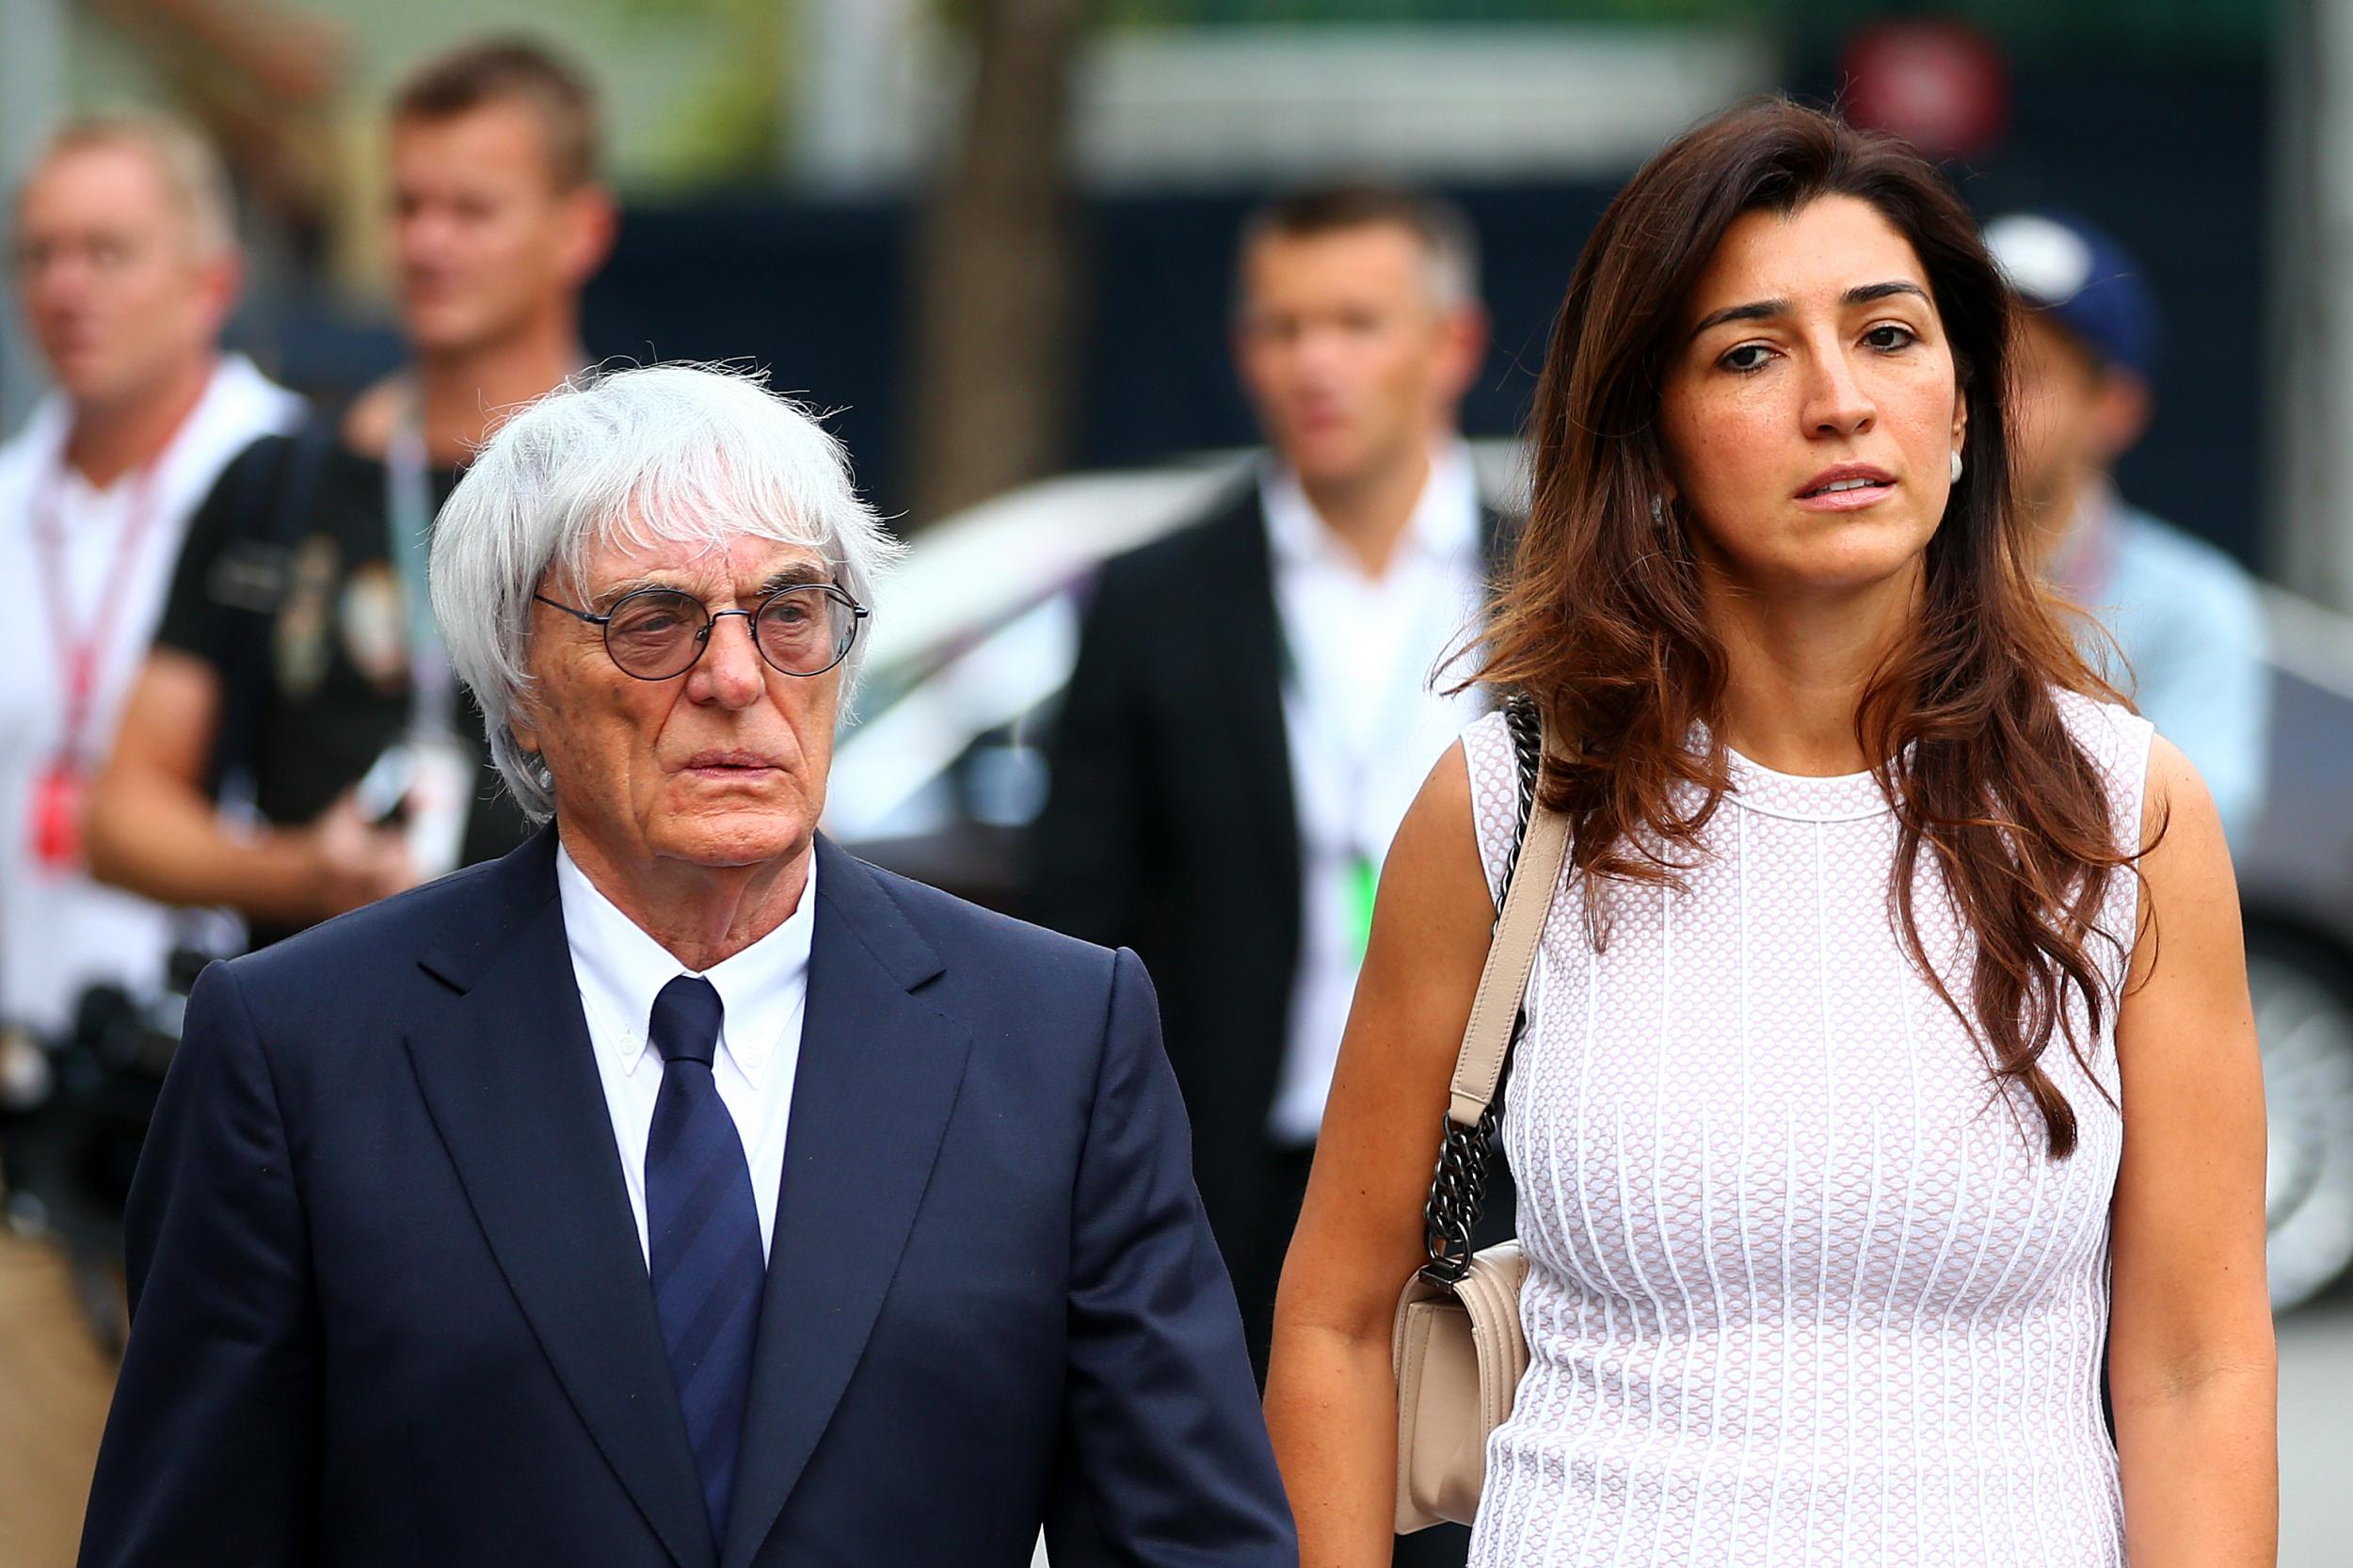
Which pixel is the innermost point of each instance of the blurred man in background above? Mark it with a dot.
(1252, 713)
(126, 270)
(297, 658)
(2185, 617)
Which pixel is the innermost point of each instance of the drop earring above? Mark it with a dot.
(1657, 511)
(1956, 468)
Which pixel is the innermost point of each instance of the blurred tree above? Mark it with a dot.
(259, 76)
(727, 130)
(997, 270)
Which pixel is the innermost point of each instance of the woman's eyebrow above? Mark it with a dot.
(1756, 309)
(1863, 294)
(1766, 309)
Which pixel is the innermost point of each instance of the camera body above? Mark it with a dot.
(68, 1158)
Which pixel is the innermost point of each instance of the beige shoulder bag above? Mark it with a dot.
(1457, 1345)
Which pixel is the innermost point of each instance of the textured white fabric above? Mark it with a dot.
(764, 992)
(1802, 1291)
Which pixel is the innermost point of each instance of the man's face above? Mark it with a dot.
(2055, 417)
(1348, 358)
(722, 766)
(483, 239)
(114, 282)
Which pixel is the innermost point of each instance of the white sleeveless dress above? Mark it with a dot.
(1802, 1290)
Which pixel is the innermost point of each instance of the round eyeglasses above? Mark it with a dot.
(658, 634)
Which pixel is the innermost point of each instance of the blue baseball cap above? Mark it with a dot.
(2083, 281)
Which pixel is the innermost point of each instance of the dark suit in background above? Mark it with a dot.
(1171, 828)
(391, 1307)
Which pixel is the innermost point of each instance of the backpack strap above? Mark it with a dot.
(272, 501)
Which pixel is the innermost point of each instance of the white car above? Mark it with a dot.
(944, 771)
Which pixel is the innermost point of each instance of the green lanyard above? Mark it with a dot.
(409, 514)
(1362, 887)
(1360, 875)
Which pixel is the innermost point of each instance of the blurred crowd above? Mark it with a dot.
(225, 713)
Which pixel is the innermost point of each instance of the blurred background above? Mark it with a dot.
(997, 238)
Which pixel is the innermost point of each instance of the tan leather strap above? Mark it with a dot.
(1511, 956)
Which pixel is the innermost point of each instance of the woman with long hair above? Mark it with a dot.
(1889, 1052)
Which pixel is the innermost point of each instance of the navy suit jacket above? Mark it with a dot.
(389, 1305)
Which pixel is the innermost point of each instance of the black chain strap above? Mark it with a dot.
(1458, 1189)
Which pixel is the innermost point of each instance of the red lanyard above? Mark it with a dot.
(80, 651)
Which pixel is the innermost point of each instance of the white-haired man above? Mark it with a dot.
(126, 269)
(676, 1190)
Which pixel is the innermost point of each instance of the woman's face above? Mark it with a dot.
(1812, 409)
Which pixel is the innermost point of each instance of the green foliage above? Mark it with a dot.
(727, 130)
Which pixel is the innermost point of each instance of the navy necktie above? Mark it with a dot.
(703, 1232)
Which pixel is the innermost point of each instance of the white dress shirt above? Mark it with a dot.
(60, 932)
(764, 989)
(1364, 725)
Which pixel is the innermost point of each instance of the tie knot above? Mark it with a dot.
(686, 1015)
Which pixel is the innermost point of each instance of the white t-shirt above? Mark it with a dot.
(1365, 728)
(60, 933)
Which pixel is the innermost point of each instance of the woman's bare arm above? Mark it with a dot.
(1331, 1401)
(2192, 1367)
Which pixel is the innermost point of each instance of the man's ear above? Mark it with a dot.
(220, 283)
(522, 712)
(2119, 414)
(592, 221)
(1466, 331)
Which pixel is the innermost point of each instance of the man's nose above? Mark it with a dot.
(731, 672)
(58, 283)
(423, 236)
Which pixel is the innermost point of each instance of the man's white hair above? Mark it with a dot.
(681, 454)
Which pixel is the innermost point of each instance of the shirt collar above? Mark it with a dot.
(236, 398)
(1444, 527)
(621, 970)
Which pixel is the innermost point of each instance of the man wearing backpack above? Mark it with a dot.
(296, 671)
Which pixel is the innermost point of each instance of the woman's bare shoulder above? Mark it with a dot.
(1433, 877)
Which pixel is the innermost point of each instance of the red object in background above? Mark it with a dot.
(1941, 85)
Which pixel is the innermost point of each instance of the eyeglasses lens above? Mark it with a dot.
(805, 630)
(655, 635)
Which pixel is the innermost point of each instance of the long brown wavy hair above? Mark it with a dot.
(1601, 619)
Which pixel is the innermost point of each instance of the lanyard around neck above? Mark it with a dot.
(408, 512)
(81, 647)
(1314, 707)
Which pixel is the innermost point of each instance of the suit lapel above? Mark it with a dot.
(878, 1075)
(509, 1080)
(1247, 637)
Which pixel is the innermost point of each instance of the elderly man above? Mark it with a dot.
(677, 1189)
